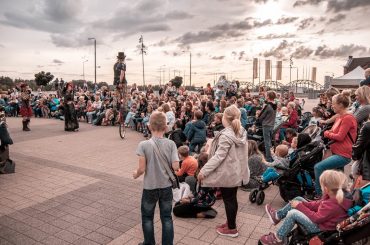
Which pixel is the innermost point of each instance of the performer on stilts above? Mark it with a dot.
(120, 82)
(25, 108)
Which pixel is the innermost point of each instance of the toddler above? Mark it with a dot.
(280, 162)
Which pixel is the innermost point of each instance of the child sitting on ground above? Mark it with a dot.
(189, 164)
(195, 132)
(256, 163)
(177, 135)
(280, 163)
(216, 125)
(313, 216)
(199, 205)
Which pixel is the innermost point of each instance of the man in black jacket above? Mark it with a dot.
(267, 119)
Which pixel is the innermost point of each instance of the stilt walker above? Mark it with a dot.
(25, 110)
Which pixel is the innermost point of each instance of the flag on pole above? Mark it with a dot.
(279, 68)
(313, 75)
(255, 68)
(267, 69)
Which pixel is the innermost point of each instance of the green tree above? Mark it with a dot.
(177, 81)
(43, 78)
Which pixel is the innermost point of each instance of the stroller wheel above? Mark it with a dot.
(260, 197)
(253, 195)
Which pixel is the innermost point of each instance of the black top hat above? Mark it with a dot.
(121, 55)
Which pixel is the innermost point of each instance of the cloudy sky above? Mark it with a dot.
(223, 36)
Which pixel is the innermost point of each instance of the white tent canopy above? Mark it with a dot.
(351, 79)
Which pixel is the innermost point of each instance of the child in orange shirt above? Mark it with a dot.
(189, 164)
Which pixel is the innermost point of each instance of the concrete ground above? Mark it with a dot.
(76, 188)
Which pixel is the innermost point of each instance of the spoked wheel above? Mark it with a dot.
(122, 130)
(253, 195)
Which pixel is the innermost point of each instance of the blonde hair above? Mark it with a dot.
(282, 150)
(158, 122)
(335, 182)
(232, 116)
(253, 149)
(291, 104)
(364, 93)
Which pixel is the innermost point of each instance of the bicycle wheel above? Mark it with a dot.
(122, 130)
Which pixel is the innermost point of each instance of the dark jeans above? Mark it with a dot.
(148, 202)
(267, 138)
(231, 205)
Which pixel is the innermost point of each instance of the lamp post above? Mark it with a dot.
(93, 38)
(160, 74)
(189, 65)
(83, 69)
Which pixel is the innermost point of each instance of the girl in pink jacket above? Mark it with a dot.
(314, 216)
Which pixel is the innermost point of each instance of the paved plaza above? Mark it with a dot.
(76, 188)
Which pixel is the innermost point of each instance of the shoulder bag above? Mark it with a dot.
(166, 164)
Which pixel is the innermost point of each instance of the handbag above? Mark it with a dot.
(328, 153)
(166, 164)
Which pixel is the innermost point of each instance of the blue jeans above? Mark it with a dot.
(269, 175)
(148, 202)
(267, 137)
(129, 116)
(292, 217)
(282, 134)
(332, 162)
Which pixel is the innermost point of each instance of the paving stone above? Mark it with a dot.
(79, 230)
(49, 229)
(85, 241)
(51, 240)
(67, 236)
(98, 238)
(108, 232)
(35, 234)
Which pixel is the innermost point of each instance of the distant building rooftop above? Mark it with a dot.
(352, 63)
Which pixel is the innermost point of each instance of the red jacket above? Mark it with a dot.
(293, 118)
(339, 133)
(327, 212)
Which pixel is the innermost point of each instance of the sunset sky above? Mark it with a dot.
(222, 35)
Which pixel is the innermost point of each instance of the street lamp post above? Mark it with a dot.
(160, 74)
(83, 69)
(93, 38)
(190, 65)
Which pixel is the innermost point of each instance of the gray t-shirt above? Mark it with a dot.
(155, 176)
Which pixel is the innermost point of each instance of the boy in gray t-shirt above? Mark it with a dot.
(157, 184)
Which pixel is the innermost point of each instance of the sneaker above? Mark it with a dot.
(227, 232)
(271, 212)
(270, 239)
(222, 226)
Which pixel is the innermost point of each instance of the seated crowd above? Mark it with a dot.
(195, 118)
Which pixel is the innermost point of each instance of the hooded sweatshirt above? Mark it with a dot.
(327, 212)
(228, 160)
(268, 115)
(197, 132)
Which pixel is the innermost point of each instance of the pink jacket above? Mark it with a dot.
(327, 212)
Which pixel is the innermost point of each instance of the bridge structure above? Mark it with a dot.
(297, 86)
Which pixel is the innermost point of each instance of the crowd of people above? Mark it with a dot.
(204, 137)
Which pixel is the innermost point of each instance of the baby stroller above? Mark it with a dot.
(313, 131)
(353, 230)
(298, 179)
